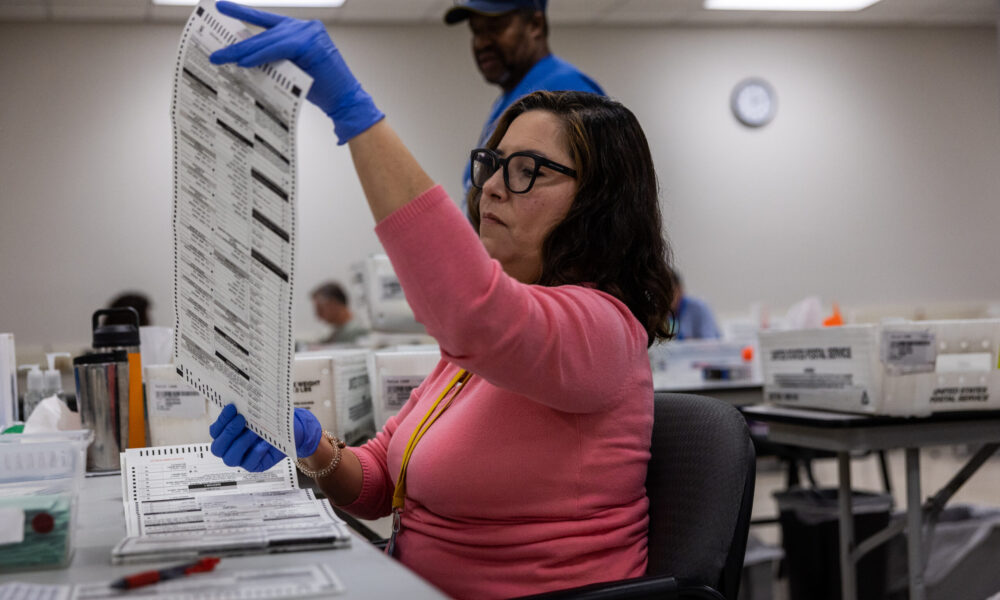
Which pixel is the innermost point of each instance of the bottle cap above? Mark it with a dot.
(116, 335)
(53, 377)
(35, 379)
(100, 358)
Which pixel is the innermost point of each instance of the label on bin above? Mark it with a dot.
(175, 399)
(12, 531)
(905, 352)
(396, 389)
(391, 288)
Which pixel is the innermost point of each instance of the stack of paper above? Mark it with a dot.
(183, 502)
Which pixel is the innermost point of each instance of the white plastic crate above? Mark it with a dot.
(680, 363)
(177, 413)
(388, 309)
(395, 372)
(907, 368)
(334, 384)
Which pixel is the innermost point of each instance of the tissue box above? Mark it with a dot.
(40, 476)
(394, 373)
(335, 386)
(909, 368)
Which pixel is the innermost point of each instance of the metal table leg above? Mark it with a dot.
(848, 579)
(914, 525)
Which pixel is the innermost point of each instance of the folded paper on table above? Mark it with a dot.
(182, 502)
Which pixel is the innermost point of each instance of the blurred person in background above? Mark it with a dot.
(331, 306)
(137, 300)
(693, 319)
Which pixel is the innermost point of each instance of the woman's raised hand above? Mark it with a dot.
(306, 43)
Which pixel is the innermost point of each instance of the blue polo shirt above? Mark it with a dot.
(695, 320)
(551, 73)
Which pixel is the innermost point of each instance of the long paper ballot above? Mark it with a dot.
(234, 225)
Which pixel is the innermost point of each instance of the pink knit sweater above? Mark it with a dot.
(533, 480)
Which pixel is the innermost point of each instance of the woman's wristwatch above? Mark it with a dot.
(338, 447)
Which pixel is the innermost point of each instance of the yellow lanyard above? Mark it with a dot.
(399, 495)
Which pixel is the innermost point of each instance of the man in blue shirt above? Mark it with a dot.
(693, 319)
(511, 48)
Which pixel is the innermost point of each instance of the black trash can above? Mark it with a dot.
(810, 536)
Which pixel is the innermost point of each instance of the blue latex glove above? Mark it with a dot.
(307, 44)
(237, 446)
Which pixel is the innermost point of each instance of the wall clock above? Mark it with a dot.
(753, 102)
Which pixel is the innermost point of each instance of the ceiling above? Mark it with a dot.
(571, 12)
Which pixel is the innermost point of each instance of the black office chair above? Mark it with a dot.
(700, 485)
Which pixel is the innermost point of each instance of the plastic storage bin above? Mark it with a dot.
(679, 363)
(909, 368)
(335, 386)
(40, 477)
(810, 534)
(177, 413)
(394, 373)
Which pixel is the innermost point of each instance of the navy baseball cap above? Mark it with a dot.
(490, 8)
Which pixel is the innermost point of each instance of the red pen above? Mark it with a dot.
(149, 577)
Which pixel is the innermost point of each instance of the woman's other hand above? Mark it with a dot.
(237, 446)
(306, 43)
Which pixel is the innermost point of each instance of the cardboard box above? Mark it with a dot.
(906, 368)
(334, 385)
(395, 373)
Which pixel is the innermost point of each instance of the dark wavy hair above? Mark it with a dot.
(612, 236)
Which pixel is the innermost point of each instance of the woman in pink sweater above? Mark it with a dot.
(518, 466)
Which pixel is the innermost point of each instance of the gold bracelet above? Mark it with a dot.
(338, 446)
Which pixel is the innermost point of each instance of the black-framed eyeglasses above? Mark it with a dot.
(519, 169)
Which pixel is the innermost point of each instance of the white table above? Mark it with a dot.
(365, 572)
(846, 433)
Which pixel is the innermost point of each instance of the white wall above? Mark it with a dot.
(878, 182)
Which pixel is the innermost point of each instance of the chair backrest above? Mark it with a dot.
(700, 486)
